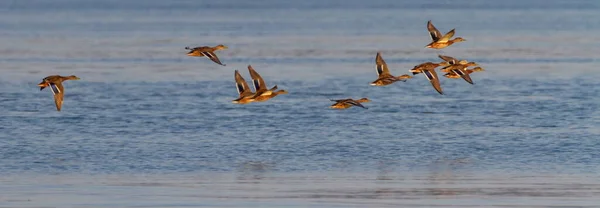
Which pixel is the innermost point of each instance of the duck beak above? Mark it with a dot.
(373, 84)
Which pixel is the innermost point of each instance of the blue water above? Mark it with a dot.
(143, 108)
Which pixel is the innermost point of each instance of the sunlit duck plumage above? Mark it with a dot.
(428, 69)
(448, 61)
(207, 51)
(477, 69)
(461, 71)
(261, 92)
(453, 75)
(347, 103)
(55, 84)
(425, 65)
(383, 73)
(244, 91)
(438, 41)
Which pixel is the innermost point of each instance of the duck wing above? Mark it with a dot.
(433, 32)
(464, 74)
(257, 80)
(355, 103)
(446, 37)
(212, 56)
(241, 85)
(381, 66)
(449, 59)
(59, 92)
(433, 78)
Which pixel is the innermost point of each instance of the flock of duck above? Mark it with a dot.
(453, 68)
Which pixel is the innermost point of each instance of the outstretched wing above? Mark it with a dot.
(448, 59)
(381, 66)
(59, 92)
(241, 84)
(446, 37)
(355, 103)
(212, 56)
(464, 74)
(433, 78)
(257, 80)
(433, 32)
(340, 100)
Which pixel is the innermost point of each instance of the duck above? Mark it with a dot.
(453, 75)
(428, 68)
(207, 51)
(461, 71)
(261, 93)
(383, 73)
(347, 103)
(425, 65)
(438, 41)
(56, 86)
(448, 61)
(244, 91)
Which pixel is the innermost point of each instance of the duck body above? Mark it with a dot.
(265, 97)
(347, 103)
(261, 93)
(384, 77)
(453, 75)
(56, 87)
(461, 71)
(428, 69)
(440, 45)
(207, 51)
(449, 61)
(438, 41)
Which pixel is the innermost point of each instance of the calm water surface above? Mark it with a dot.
(147, 126)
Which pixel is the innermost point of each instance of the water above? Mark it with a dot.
(147, 126)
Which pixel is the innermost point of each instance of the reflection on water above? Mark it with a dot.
(253, 171)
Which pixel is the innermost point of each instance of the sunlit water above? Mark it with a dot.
(147, 126)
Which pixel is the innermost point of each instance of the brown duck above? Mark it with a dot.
(208, 52)
(383, 73)
(347, 103)
(453, 75)
(460, 70)
(55, 84)
(261, 92)
(428, 68)
(448, 61)
(438, 41)
(244, 91)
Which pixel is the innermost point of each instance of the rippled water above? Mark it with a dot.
(146, 119)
